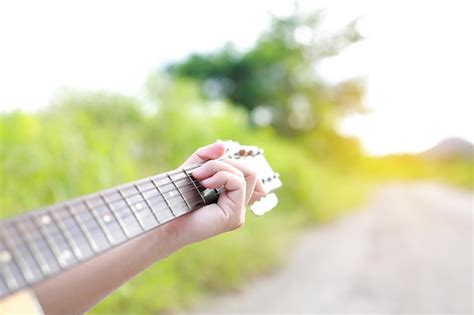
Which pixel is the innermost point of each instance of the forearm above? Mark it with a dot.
(77, 290)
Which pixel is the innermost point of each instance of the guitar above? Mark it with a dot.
(46, 242)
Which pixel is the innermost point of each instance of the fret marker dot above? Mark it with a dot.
(5, 257)
(138, 206)
(65, 256)
(107, 218)
(171, 193)
(46, 219)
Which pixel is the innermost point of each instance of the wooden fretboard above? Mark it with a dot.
(40, 244)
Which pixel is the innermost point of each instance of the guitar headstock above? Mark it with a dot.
(270, 179)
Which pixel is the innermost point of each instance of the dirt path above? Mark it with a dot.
(409, 250)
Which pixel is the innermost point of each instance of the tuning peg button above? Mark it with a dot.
(264, 205)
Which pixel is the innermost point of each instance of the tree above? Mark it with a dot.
(276, 80)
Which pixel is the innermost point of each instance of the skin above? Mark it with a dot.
(77, 290)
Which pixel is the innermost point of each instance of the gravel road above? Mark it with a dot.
(409, 250)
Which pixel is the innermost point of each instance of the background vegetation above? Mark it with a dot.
(269, 96)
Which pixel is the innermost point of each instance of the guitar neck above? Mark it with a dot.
(43, 243)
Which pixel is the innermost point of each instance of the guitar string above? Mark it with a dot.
(125, 198)
(157, 200)
(80, 244)
(76, 262)
(151, 179)
(149, 215)
(149, 205)
(177, 192)
(146, 213)
(115, 211)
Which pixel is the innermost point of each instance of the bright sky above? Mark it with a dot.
(418, 55)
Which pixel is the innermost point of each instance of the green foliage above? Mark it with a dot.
(278, 75)
(85, 142)
(89, 141)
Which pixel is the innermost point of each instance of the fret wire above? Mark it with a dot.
(160, 195)
(125, 231)
(139, 220)
(164, 192)
(21, 262)
(187, 184)
(146, 179)
(174, 172)
(164, 185)
(150, 215)
(7, 287)
(172, 204)
(51, 244)
(179, 191)
(67, 236)
(149, 179)
(75, 235)
(83, 227)
(191, 179)
(164, 198)
(101, 224)
(193, 204)
(10, 279)
(30, 259)
(147, 203)
(47, 235)
(63, 251)
(45, 269)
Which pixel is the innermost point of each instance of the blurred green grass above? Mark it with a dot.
(89, 141)
(84, 142)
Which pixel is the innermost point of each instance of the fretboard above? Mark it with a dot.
(43, 243)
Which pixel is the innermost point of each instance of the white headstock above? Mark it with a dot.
(256, 160)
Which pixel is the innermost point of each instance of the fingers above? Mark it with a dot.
(232, 201)
(225, 179)
(216, 174)
(212, 167)
(210, 152)
(241, 187)
(254, 186)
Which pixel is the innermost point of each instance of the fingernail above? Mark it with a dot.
(205, 182)
(197, 172)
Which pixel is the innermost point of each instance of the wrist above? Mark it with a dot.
(168, 238)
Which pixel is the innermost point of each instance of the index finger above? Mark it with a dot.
(210, 152)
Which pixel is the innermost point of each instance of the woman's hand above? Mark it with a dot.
(240, 188)
(77, 290)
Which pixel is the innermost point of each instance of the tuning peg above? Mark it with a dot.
(264, 205)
